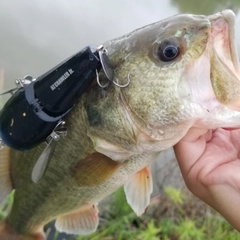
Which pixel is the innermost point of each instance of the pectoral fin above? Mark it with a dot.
(83, 221)
(138, 190)
(5, 180)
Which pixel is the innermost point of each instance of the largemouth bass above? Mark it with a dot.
(183, 73)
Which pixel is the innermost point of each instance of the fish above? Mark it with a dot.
(183, 72)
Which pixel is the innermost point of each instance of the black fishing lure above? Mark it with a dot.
(35, 109)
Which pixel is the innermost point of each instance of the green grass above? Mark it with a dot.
(176, 215)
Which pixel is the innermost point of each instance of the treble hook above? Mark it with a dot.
(108, 69)
(98, 81)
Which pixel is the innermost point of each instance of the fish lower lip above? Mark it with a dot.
(223, 27)
(229, 16)
(223, 39)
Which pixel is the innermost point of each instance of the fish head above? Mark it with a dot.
(183, 72)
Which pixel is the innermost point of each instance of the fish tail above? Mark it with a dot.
(6, 233)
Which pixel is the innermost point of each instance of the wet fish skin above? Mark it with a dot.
(114, 134)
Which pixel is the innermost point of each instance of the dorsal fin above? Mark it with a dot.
(5, 179)
(83, 221)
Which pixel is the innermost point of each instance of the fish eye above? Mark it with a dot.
(168, 51)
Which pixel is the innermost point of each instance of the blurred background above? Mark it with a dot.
(37, 35)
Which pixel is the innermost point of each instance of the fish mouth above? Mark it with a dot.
(223, 38)
(216, 72)
(225, 68)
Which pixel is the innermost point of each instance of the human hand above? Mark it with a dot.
(210, 164)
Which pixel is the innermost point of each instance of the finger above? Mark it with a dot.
(194, 134)
(191, 147)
